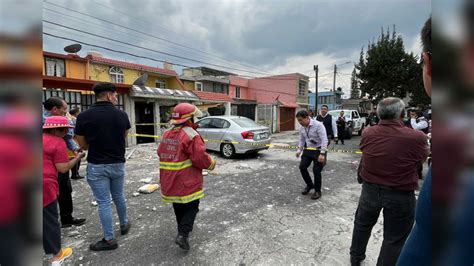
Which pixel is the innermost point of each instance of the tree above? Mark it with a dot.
(355, 91)
(386, 70)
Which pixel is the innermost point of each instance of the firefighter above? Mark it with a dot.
(183, 156)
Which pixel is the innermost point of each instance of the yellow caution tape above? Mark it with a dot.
(289, 147)
(144, 135)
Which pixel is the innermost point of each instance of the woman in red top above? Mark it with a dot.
(55, 159)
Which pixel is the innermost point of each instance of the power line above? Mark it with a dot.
(148, 49)
(147, 34)
(344, 82)
(128, 34)
(144, 57)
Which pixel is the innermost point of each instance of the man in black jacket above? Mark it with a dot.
(341, 127)
(329, 123)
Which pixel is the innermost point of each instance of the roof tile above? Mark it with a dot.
(132, 65)
(212, 96)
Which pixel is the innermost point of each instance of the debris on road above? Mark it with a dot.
(94, 203)
(73, 233)
(146, 180)
(136, 194)
(149, 188)
(130, 154)
(244, 165)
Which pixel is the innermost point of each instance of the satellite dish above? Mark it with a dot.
(73, 48)
(141, 80)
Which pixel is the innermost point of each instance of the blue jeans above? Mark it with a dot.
(106, 182)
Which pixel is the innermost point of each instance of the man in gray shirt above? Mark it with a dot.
(313, 143)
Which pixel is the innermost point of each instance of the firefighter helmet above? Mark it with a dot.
(183, 112)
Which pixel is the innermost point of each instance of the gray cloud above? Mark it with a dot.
(264, 34)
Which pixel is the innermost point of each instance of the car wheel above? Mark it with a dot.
(227, 150)
(360, 131)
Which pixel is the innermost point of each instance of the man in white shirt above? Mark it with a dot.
(418, 122)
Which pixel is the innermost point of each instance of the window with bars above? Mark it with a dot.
(77, 99)
(72, 98)
(116, 75)
(89, 99)
(237, 92)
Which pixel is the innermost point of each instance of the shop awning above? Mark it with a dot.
(151, 92)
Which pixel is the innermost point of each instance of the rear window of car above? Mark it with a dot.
(245, 122)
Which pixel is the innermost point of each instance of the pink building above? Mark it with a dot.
(278, 98)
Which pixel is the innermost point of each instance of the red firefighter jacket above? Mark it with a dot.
(182, 157)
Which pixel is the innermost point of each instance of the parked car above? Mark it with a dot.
(354, 122)
(231, 135)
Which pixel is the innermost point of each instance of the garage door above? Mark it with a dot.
(287, 119)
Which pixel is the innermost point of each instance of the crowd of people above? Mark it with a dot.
(393, 152)
(389, 170)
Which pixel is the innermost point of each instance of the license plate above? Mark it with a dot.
(263, 136)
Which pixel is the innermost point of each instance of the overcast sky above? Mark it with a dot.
(261, 37)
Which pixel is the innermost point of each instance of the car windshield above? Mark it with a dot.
(335, 113)
(245, 122)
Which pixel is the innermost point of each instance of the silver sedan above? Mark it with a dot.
(230, 135)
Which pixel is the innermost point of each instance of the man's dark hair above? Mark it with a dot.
(102, 88)
(426, 36)
(322, 106)
(74, 111)
(302, 114)
(52, 102)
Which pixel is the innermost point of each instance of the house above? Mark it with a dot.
(279, 98)
(148, 103)
(363, 105)
(67, 76)
(212, 88)
(151, 100)
(272, 100)
(333, 99)
(243, 102)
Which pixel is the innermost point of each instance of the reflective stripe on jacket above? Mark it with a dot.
(182, 155)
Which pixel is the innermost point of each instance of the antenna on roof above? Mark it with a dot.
(140, 81)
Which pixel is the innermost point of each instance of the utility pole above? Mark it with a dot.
(334, 80)
(316, 70)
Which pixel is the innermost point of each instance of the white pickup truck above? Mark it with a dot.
(354, 122)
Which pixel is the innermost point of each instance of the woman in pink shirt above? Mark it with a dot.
(55, 159)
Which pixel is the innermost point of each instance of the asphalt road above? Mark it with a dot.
(253, 213)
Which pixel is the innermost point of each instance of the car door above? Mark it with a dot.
(356, 119)
(203, 127)
(215, 134)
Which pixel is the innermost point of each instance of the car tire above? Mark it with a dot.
(359, 133)
(227, 150)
